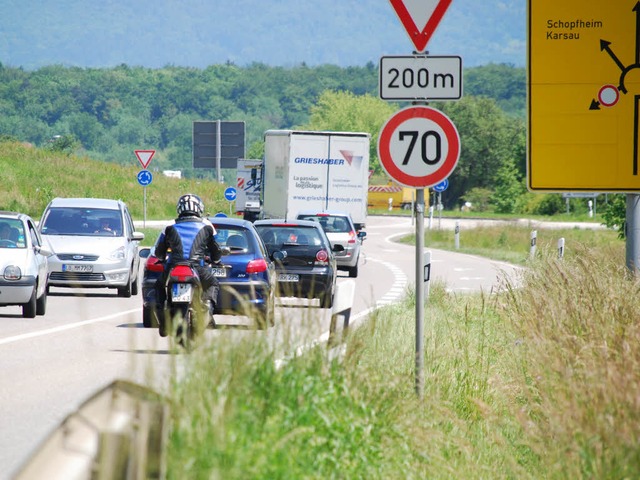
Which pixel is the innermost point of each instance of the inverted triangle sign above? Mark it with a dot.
(420, 18)
(145, 156)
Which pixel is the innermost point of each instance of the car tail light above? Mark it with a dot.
(154, 264)
(256, 266)
(322, 257)
(352, 237)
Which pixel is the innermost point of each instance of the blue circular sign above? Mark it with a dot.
(230, 194)
(145, 178)
(220, 214)
(442, 186)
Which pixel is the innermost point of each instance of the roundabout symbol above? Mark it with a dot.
(145, 177)
(419, 147)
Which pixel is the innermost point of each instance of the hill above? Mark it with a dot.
(199, 33)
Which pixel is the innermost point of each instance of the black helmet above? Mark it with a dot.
(191, 205)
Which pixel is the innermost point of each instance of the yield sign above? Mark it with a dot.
(420, 18)
(144, 157)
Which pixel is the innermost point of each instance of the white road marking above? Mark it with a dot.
(62, 328)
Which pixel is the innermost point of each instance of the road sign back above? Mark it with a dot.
(420, 18)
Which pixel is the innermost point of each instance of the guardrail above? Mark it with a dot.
(119, 433)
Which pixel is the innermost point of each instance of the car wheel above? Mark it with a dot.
(267, 318)
(126, 290)
(41, 304)
(29, 308)
(149, 319)
(353, 271)
(327, 300)
(134, 287)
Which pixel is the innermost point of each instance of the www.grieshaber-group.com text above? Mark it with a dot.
(570, 29)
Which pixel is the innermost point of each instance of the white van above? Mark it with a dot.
(94, 244)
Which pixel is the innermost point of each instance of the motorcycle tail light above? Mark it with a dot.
(154, 265)
(256, 266)
(352, 237)
(182, 273)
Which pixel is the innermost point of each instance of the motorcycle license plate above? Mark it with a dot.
(181, 292)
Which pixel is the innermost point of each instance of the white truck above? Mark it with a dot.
(248, 187)
(314, 170)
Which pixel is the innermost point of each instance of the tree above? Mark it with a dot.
(346, 112)
(488, 137)
(508, 188)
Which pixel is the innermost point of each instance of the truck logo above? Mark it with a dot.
(351, 158)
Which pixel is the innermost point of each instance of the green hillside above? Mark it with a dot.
(33, 176)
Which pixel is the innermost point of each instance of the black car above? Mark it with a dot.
(246, 275)
(305, 261)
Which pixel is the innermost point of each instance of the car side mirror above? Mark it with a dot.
(144, 252)
(362, 234)
(43, 251)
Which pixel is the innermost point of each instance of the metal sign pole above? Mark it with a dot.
(144, 207)
(419, 292)
(218, 150)
(632, 234)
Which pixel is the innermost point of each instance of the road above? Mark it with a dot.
(88, 338)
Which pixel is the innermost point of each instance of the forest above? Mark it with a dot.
(107, 114)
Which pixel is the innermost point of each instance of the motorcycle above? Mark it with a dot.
(186, 312)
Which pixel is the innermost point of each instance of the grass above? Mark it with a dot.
(537, 382)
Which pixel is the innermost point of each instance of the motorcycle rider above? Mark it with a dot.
(190, 238)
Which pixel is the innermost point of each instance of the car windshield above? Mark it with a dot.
(237, 239)
(82, 221)
(12, 233)
(330, 223)
(277, 237)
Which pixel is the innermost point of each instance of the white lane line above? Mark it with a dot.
(62, 328)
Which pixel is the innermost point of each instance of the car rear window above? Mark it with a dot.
(329, 223)
(277, 237)
(237, 239)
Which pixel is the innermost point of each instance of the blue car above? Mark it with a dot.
(246, 275)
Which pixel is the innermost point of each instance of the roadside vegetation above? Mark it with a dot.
(535, 382)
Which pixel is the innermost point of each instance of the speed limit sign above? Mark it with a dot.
(419, 147)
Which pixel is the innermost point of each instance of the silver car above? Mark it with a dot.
(340, 230)
(94, 244)
(23, 263)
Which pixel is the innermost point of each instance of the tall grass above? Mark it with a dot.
(542, 381)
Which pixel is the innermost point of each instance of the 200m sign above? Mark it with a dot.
(419, 147)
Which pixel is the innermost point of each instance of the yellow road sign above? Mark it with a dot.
(584, 95)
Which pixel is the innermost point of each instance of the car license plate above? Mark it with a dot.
(219, 272)
(77, 268)
(181, 292)
(288, 277)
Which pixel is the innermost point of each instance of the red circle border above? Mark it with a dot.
(450, 131)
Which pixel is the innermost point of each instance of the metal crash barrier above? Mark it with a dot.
(119, 433)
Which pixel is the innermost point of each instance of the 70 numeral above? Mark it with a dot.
(424, 143)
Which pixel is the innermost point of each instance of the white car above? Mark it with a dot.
(94, 244)
(341, 231)
(23, 263)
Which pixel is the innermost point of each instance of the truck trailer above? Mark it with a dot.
(315, 170)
